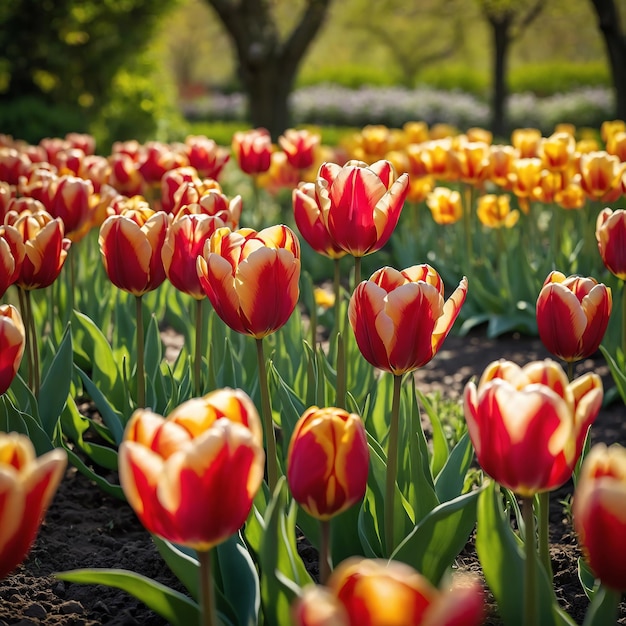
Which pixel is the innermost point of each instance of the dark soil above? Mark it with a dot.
(85, 527)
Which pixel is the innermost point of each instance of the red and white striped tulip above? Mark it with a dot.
(252, 150)
(611, 238)
(12, 252)
(12, 344)
(299, 146)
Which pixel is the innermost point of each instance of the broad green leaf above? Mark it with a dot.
(14, 420)
(440, 443)
(449, 483)
(604, 607)
(618, 373)
(176, 608)
(183, 566)
(586, 577)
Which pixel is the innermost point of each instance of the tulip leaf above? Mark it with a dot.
(618, 373)
(370, 524)
(184, 566)
(23, 397)
(377, 418)
(501, 557)
(440, 443)
(437, 540)
(449, 483)
(586, 577)
(55, 387)
(176, 608)
(282, 571)
(12, 419)
(604, 607)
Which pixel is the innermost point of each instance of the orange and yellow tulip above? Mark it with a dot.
(327, 461)
(308, 216)
(556, 151)
(251, 278)
(191, 477)
(400, 318)
(12, 252)
(445, 205)
(299, 146)
(598, 510)
(611, 238)
(130, 247)
(252, 150)
(572, 315)
(526, 141)
(494, 211)
(600, 175)
(27, 486)
(12, 344)
(532, 412)
(360, 203)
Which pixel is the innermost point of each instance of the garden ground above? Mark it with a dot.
(85, 527)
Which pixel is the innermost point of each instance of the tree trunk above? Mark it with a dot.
(501, 40)
(268, 65)
(615, 42)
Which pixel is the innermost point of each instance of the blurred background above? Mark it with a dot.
(160, 69)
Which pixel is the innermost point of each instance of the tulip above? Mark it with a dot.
(376, 592)
(572, 315)
(516, 413)
(611, 238)
(12, 344)
(27, 486)
(124, 176)
(360, 203)
(157, 158)
(299, 146)
(600, 175)
(494, 211)
(280, 175)
(445, 205)
(191, 477)
(172, 181)
(524, 177)
(472, 161)
(252, 150)
(526, 141)
(317, 606)
(251, 278)
(400, 318)
(502, 158)
(13, 164)
(556, 152)
(598, 510)
(12, 252)
(206, 156)
(327, 461)
(130, 247)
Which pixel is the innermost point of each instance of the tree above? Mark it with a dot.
(58, 60)
(614, 35)
(268, 60)
(508, 19)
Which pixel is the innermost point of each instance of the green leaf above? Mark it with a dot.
(449, 483)
(586, 577)
(183, 566)
(440, 443)
(14, 420)
(437, 540)
(618, 373)
(604, 608)
(176, 608)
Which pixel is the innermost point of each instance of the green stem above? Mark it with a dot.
(208, 615)
(34, 345)
(141, 374)
(530, 580)
(324, 558)
(337, 288)
(313, 325)
(357, 270)
(467, 222)
(342, 386)
(392, 463)
(197, 358)
(268, 423)
(570, 371)
(543, 515)
(29, 355)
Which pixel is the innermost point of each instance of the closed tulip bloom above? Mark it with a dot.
(526, 141)
(524, 178)
(531, 412)
(327, 461)
(183, 244)
(472, 161)
(206, 156)
(172, 181)
(209, 201)
(12, 253)
(572, 315)
(317, 606)
(156, 159)
(556, 152)
(611, 238)
(251, 278)
(400, 318)
(253, 150)
(600, 175)
(191, 478)
(300, 147)
(12, 344)
(130, 247)
(27, 486)
(45, 247)
(599, 511)
(361, 203)
(502, 158)
(445, 205)
(376, 592)
(494, 211)
(124, 176)
(308, 216)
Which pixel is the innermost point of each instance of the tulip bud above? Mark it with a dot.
(611, 237)
(206, 156)
(572, 315)
(27, 485)
(599, 511)
(299, 146)
(253, 150)
(445, 205)
(327, 461)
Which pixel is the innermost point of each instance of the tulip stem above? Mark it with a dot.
(543, 516)
(392, 463)
(357, 271)
(24, 311)
(207, 593)
(268, 423)
(341, 390)
(197, 359)
(324, 558)
(337, 288)
(530, 582)
(467, 222)
(141, 375)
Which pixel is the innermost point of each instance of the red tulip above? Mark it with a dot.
(361, 203)
(130, 247)
(12, 344)
(300, 147)
(572, 315)
(308, 215)
(12, 252)
(400, 318)
(252, 278)
(191, 478)
(327, 461)
(206, 156)
(598, 508)
(516, 414)
(27, 485)
(253, 150)
(611, 237)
